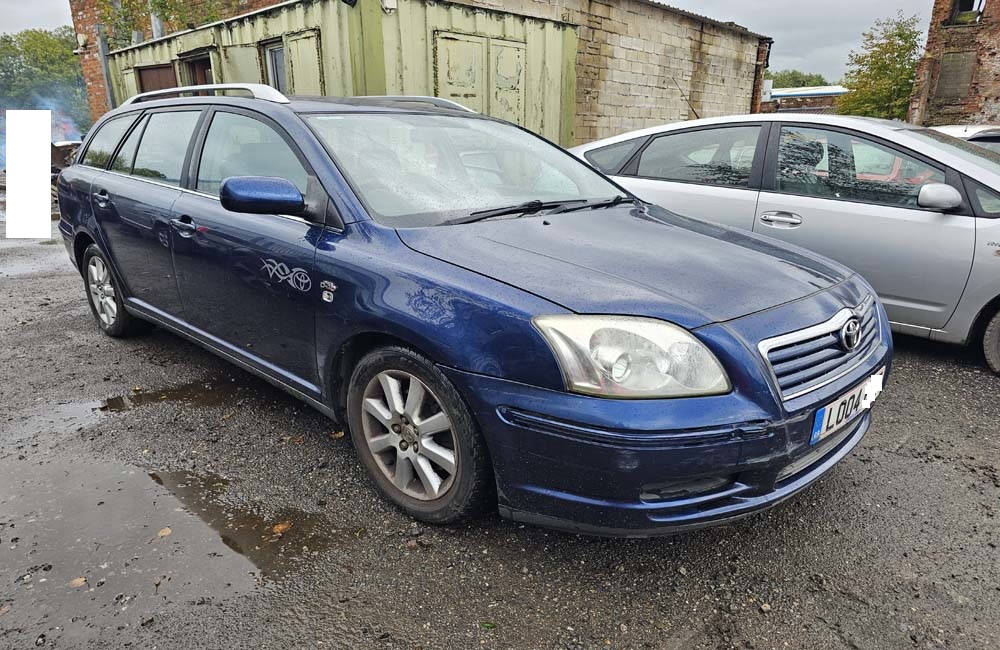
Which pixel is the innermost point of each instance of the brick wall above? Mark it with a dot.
(86, 16)
(943, 69)
(638, 63)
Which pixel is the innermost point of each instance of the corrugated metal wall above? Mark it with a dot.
(514, 67)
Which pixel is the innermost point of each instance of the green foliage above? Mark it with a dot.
(127, 16)
(38, 70)
(880, 76)
(795, 78)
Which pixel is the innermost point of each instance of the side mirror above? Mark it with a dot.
(261, 195)
(938, 196)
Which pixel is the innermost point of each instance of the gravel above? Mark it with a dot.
(108, 443)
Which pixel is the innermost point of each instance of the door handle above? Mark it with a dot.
(786, 218)
(101, 198)
(184, 226)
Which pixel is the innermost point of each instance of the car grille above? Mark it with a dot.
(805, 360)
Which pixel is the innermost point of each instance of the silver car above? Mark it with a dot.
(915, 211)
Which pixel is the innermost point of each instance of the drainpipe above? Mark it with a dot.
(155, 22)
(102, 56)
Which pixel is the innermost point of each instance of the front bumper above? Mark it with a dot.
(653, 467)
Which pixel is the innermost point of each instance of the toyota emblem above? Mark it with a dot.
(850, 334)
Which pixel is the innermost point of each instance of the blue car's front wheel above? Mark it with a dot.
(417, 438)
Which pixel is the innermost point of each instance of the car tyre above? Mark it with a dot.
(105, 297)
(417, 438)
(991, 343)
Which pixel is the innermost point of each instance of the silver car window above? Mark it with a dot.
(612, 158)
(837, 165)
(721, 156)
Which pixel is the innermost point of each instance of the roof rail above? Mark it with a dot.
(440, 102)
(257, 91)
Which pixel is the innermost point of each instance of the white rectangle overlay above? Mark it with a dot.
(29, 163)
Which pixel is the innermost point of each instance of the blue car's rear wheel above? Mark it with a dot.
(417, 438)
(105, 297)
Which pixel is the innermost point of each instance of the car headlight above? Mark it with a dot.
(629, 357)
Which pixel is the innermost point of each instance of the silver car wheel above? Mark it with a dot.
(409, 435)
(102, 291)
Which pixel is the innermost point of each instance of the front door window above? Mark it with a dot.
(837, 165)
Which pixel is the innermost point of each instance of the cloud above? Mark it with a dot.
(809, 35)
(16, 15)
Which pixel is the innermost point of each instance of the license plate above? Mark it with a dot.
(844, 410)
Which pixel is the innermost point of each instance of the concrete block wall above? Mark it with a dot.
(640, 63)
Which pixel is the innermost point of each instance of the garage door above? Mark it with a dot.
(156, 77)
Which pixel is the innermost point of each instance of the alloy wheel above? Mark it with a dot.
(409, 435)
(102, 291)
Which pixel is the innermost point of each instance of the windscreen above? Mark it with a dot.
(419, 170)
(968, 151)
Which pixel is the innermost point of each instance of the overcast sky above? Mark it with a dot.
(810, 35)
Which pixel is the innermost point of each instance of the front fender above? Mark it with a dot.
(455, 317)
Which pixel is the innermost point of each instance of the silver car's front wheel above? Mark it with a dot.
(409, 435)
(102, 292)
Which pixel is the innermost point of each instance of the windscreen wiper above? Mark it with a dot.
(602, 203)
(528, 207)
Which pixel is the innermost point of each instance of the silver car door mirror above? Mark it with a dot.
(938, 196)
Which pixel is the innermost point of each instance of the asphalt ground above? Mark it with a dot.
(153, 496)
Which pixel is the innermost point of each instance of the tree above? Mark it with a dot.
(880, 75)
(795, 79)
(38, 70)
(123, 17)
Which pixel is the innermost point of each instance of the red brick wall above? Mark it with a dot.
(86, 16)
(982, 103)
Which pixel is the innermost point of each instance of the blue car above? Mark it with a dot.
(499, 326)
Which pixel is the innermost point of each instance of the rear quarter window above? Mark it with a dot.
(612, 158)
(103, 144)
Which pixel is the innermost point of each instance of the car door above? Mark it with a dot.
(75, 202)
(708, 173)
(246, 280)
(133, 201)
(853, 198)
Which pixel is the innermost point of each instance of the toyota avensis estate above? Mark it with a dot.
(498, 324)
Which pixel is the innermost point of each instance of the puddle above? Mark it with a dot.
(210, 392)
(249, 534)
(91, 545)
(67, 417)
(72, 416)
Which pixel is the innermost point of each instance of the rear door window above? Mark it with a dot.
(103, 144)
(164, 145)
(237, 145)
(722, 156)
(126, 153)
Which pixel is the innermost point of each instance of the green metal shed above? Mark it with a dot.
(510, 66)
